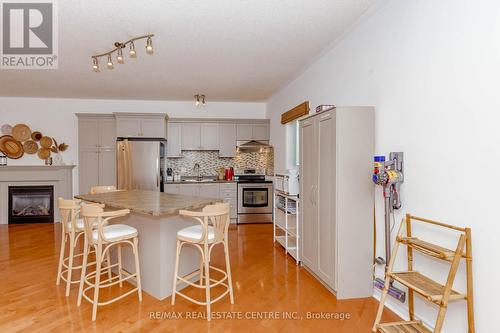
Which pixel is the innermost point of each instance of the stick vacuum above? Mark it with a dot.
(389, 174)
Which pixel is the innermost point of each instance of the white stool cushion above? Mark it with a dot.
(196, 232)
(115, 231)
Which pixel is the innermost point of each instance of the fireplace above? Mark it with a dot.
(31, 204)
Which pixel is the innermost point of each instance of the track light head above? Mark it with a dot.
(119, 58)
(95, 65)
(132, 50)
(149, 46)
(110, 62)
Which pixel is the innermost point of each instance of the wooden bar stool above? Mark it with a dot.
(72, 229)
(212, 230)
(102, 237)
(102, 189)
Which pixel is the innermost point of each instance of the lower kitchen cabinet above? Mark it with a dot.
(225, 191)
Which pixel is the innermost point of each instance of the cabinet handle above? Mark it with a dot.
(315, 195)
(311, 195)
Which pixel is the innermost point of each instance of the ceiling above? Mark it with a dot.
(230, 50)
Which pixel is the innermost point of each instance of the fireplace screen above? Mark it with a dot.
(31, 204)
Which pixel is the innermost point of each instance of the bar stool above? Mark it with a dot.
(72, 229)
(102, 237)
(102, 189)
(212, 230)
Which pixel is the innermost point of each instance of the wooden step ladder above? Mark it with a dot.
(427, 288)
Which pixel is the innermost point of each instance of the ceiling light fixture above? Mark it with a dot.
(119, 58)
(119, 46)
(132, 50)
(199, 97)
(110, 62)
(95, 64)
(149, 46)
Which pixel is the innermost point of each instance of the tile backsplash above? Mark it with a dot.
(210, 161)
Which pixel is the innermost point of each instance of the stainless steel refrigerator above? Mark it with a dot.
(140, 164)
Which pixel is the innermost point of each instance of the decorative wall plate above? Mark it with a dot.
(6, 129)
(46, 142)
(12, 148)
(36, 136)
(21, 132)
(30, 147)
(43, 153)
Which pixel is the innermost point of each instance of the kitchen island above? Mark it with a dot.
(156, 217)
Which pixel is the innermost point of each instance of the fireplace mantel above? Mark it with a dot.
(59, 176)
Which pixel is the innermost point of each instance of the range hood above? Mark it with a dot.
(253, 146)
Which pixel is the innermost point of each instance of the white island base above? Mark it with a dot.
(157, 246)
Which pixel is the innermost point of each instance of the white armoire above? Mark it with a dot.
(336, 153)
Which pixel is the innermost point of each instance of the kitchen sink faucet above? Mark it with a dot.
(196, 168)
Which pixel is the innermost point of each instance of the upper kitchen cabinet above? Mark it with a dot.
(146, 125)
(227, 140)
(255, 131)
(174, 139)
(191, 136)
(210, 136)
(96, 150)
(200, 136)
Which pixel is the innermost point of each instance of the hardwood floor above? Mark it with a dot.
(265, 281)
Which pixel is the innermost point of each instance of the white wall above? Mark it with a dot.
(56, 117)
(431, 69)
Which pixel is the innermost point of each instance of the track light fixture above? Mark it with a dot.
(199, 99)
(119, 46)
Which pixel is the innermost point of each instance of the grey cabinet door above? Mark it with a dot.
(153, 127)
(172, 188)
(88, 134)
(174, 140)
(88, 170)
(128, 127)
(326, 200)
(107, 167)
(107, 133)
(244, 131)
(260, 132)
(191, 136)
(209, 136)
(227, 140)
(308, 184)
(209, 190)
(189, 189)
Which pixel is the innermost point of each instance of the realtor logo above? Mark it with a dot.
(29, 34)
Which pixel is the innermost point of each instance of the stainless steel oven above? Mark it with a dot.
(255, 202)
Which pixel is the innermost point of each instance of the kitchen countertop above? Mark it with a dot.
(149, 202)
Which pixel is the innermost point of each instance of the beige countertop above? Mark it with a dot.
(149, 202)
